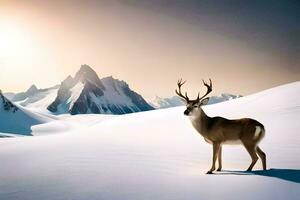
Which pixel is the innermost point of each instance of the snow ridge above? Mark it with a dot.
(17, 120)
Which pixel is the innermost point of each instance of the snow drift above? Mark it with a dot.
(158, 155)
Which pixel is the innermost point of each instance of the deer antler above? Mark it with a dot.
(209, 89)
(179, 84)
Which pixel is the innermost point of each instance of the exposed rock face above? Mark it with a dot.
(86, 93)
(87, 75)
(7, 104)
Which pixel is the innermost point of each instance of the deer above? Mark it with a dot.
(218, 130)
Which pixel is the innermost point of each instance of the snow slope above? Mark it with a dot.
(158, 155)
(9, 95)
(39, 100)
(17, 120)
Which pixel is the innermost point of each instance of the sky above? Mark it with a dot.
(243, 46)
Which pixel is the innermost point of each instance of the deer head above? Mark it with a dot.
(193, 106)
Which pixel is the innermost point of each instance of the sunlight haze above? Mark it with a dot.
(148, 45)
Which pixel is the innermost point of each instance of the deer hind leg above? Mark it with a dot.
(262, 156)
(220, 159)
(252, 151)
(216, 147)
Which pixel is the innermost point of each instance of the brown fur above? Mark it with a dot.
(218, 131)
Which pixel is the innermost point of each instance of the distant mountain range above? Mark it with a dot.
(159, 102)
(85, 93)
(34, 98)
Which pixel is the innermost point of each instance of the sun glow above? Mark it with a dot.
(15, 45)
(19, 54)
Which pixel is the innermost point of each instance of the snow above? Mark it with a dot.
(86, 93)
(155, 155)
(159, 102)
(40, 100)
(75, 93)
(223, 97)
(113, 95)
(20, 121)
(66, 123)
(9, 95)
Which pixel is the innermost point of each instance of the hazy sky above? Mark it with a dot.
(244, 46)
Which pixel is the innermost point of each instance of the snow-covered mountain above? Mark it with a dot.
(157, 155)
(86, 93)
(36, 99)
(223, 97)
(9, 95)
(24, 95)
(159, 102)
(16, 120)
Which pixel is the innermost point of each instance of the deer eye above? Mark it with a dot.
(195, 106)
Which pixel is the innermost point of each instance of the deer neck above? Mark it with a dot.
(199, 121)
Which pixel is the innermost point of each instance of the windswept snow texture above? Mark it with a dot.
(86, 93)
(158, 155)
(17, 120)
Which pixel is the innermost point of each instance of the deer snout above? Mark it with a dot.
(186, 112)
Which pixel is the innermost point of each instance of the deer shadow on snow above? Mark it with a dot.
(292, 175)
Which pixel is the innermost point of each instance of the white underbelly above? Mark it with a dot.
(228, 142)
(232, 142)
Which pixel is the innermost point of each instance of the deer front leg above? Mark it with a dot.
(216, 147)
(220, 159)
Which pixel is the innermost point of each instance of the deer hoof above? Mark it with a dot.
(219, 169)
(209, 172)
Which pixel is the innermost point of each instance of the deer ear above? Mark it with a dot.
(204, 101)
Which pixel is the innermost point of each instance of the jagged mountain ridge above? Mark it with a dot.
(34, 98)
(23, 95)
(160, 102)
(86, 93)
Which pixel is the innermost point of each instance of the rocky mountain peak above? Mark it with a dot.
(32, 89)
(87, 93)
(87, 74)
